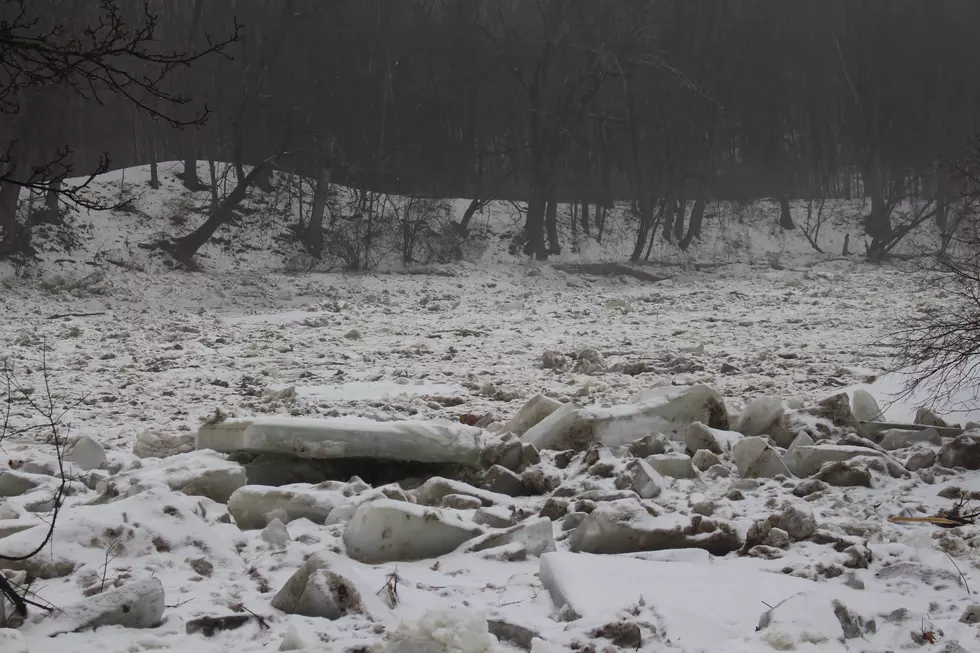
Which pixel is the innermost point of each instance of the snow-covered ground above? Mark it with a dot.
(130, 346)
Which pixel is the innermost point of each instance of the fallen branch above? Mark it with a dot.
(942, 522)
(608, 270)
(64, 315)
(956, 516)
(209, 626)
(240, 607)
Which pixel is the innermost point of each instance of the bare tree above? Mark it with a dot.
(185, 248)
(939, 348)
(108, 51)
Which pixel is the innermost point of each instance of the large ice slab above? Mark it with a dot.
(346, 437)
(701, 605)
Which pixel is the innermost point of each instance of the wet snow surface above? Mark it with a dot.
(168, 349)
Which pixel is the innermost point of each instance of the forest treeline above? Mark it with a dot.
(666, 104)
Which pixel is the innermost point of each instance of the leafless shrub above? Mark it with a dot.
(51, 428)
(939, 347)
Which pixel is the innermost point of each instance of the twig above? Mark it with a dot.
(108, 558)
(45, 407)
(391, 585)
(26, 591)
(263, 624)
(957, 568)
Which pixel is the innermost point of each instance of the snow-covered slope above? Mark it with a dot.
(263, 235)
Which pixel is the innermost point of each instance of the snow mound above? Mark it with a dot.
(450, 630)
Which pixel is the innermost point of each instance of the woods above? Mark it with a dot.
(666, 105)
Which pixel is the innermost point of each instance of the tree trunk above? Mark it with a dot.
(535, 224)
(785, 217)
(679, 219)
(551, 225)
(600, 217)
(944, 194)
(574, 223)
(154, 168)
(464, 224)
(314, 232)
(368, 236)
(694, 228)
(9, 196)
(668, 230)
(214, 186)
(642, 233)
(585, 218)
(301, 199)
(653, 229)
(877, 224)
(407, 244)
(185, 248)
(264, 181)
(191, 181)
(51, 199)
(236, 153)
(942, 216)
(644, 211)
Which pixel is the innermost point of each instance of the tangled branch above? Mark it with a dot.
(57, 436)
(109, 55)
(939, 348)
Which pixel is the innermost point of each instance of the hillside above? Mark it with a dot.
(264, 238)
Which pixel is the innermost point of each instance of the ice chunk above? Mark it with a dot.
(329, 586)
(386, 531)
(255, 506)
(136, 605)
(535, 410)
(347, 437)
(669, 410)
(809, 460)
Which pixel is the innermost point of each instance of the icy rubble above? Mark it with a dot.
(135, 605)
(669, 410)
(589, 491)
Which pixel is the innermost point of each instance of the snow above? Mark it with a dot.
(899, 407)
(683, 595)
(452, 630)
(376, 391)
(168, 348)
